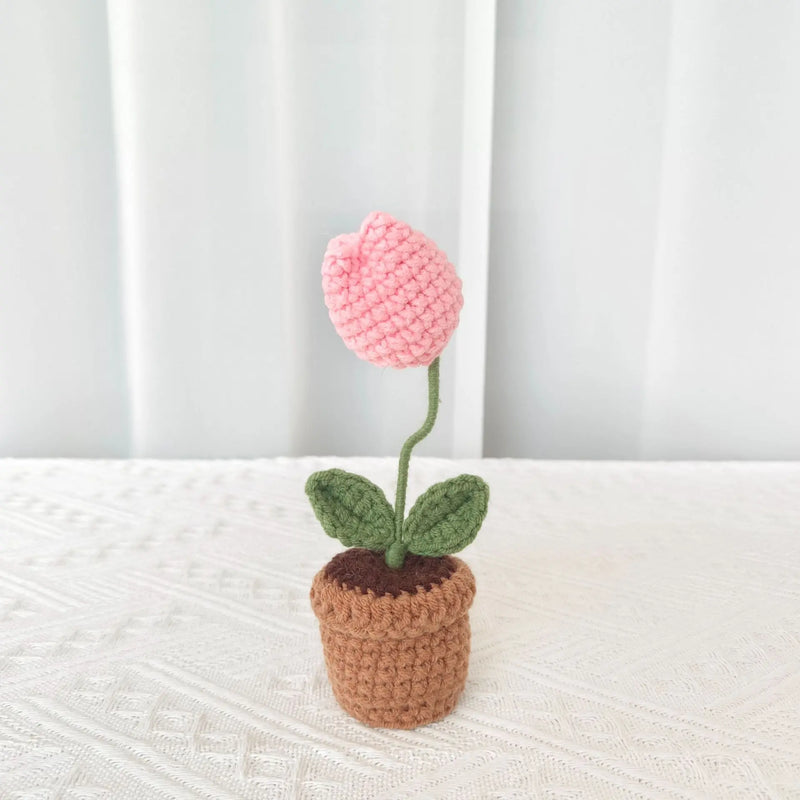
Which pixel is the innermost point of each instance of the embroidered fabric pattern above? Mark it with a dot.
(635, 635)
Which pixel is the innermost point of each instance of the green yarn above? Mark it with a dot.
(396, 555)
(447, 517)
(352, 509)
(411, 442)
(444, 519)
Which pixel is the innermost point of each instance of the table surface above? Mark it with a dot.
(636, 634)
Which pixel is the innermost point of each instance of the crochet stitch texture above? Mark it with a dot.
(391, 293)
(396, 662)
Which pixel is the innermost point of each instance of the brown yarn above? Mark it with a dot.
(362, 569)
(396, 661)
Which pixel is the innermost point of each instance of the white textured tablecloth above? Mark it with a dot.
(636, 633)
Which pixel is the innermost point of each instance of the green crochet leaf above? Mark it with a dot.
(351, 509)
(447, 517)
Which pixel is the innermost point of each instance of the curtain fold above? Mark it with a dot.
(578, 142)
(63, 387)
(723, 373)
(645, 268)
(171, 170)
(200, 200)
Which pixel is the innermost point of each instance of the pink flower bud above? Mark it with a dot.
(391, 293)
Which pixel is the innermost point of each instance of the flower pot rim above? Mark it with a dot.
(408, 615)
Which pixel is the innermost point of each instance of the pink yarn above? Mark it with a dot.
(391, 293)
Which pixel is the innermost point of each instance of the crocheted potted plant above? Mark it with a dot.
(393, 609)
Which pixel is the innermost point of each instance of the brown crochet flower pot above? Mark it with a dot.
(396, 642)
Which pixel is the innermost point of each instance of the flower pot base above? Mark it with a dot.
(396, 661)
(398, 683)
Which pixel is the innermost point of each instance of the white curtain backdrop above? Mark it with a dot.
(618, 183)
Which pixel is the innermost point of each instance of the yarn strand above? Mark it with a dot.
(396, 554)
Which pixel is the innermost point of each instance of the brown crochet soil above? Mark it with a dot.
(362, 569)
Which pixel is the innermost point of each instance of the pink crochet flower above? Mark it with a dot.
(391, 293)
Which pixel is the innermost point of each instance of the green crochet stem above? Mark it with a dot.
(396, 554)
